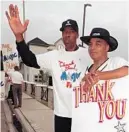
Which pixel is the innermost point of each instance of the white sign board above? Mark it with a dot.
(104, 109)
(2, 86)
(10, 56)
(10, 60)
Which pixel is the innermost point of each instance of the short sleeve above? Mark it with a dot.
(119, 62)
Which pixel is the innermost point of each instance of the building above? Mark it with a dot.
(37, 46)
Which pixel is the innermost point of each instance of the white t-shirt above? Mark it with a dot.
(105, 108)
(16, 77)
(67, 69)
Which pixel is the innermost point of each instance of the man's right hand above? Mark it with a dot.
(89, 80)
(15, 23)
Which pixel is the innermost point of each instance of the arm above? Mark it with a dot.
(18, 30)
(27, 56)
(91, 79)
(9, 76)
(113, 74)
(106, 75)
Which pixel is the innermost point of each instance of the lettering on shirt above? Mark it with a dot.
(69, 73)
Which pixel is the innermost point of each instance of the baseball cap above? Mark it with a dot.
(71, 23)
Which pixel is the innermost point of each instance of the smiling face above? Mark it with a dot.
(98, 49)
(69, 38)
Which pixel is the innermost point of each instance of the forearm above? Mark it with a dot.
(114, 74)
(27, 56)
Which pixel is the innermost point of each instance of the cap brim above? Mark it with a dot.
(112, 41)
(86, 39)
(62, 28)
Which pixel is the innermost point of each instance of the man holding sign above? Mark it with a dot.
(102, 107)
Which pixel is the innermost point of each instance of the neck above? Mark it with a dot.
(72, 49)
(98, 63)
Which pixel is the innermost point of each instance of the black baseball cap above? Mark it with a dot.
(71, 23)
(103, 34)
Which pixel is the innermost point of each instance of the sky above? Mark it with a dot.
(46, 18)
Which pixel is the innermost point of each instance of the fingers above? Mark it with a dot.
(85, 87)
(86, 82)
(16, 11)
(26, 24)
(96, 75)
(85, 77)
(7, 15)
(91, 79)
(11, 10)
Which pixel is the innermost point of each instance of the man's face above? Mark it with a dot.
(69, 38)
(98, 48)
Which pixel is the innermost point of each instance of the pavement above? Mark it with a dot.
(6, 118)
(34, 116)
(4, 126)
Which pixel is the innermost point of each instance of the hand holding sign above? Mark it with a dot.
(89, 80)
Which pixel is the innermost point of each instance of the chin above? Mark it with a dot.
(67, 45)
(94, 57)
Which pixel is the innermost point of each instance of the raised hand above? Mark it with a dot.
(15, 23)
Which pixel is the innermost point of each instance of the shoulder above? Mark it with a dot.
(84, 55)
(47, 53)
(118, 61)
(83, 51)
(19, 73)
(10, 73)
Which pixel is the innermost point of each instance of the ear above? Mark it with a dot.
(77, 35)
(107, 47)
